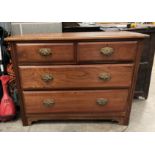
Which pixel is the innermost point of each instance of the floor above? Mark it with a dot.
(142, 120)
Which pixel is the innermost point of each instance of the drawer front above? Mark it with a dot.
(45, 52)
(75, 101)
(106, 51)
(73, 76)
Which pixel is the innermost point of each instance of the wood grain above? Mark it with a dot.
(75, 101)
(73, 76)
(75, 87)
(77, 36)
(60, 52)
(91, 51)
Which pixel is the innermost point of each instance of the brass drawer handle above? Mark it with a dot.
(107, 51)
(102, 101)
(45, 51)
(47, 77)
(105, 76)
(48, 103)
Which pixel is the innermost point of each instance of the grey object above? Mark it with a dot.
(33, 28)
(15, 29)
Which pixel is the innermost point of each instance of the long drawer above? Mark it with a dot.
(106, 51)
(75, 101)
(45, 52)
(76, 76)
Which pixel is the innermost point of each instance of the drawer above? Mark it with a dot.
(75, 101)
(73, 76)
(107, 51)
(45, 52)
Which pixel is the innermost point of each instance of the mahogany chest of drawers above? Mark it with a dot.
(76, 76)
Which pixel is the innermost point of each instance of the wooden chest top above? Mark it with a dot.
(77, 36)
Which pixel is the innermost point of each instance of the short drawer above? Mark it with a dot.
(45, 52)
(107, 51)
(73, 76)
(75, 101)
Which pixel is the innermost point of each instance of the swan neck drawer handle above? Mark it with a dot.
(102, 101)
(47, 77)
(105, 76)
(45, 51)
(107, 51)
(48, 103)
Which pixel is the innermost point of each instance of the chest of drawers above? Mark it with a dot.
(76, 76)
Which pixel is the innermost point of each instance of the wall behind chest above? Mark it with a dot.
(35, 27)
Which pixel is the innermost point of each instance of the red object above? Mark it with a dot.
(7, 107)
